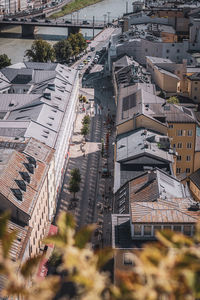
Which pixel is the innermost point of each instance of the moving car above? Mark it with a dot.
(34, 20)
(85, 61)
(86, 22)
(68, 22)
(47, 21)
(80, 66)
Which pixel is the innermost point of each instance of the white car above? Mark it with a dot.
(80, 66)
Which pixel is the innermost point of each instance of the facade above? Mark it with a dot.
(195, 184)
(24, 192)
(168, 76)
(39, 100)
(152, 201)
(194, 87)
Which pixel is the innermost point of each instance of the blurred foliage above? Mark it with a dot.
(41, 51)
(86, 120)
(5, 61)
(165, 270)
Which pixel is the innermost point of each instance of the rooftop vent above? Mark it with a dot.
(51, 86)
(21, 184)
(194, 207)
(17, 193)
(32, 160)
(25, 176)
(29, 167)
(47, 96)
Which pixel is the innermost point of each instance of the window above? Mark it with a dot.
(179, 157)
(189, 145)
(187, 229)
(167, 50)
(174, 145)
(177, 228)
(171, 126)
(167, 227)
(187, 170)
(195, 82)
(156, 228)
(188, 158)
(146, 50)
(195, 97)
(137, 230)
(179, 145)
(178, 170)
(128, 259)
(177, 50)
(172, 45)
(147, 230)
(195, 88)
(179, 132)
(189, 132)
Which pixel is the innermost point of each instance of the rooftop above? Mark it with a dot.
(157, 197)
(195, 178)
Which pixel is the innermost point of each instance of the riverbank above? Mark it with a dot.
(72, 7)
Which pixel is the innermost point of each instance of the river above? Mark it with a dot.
(14, 46)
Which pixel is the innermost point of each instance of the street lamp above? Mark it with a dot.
(108, 16)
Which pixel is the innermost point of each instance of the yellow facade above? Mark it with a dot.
(183, 138)
(194, 90)
(141, 121)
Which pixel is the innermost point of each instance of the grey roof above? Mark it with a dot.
(195, 178)
(139, 142)
(124, 61)
(9, 102)
(40, 66)
(13, 128)
(132, 101)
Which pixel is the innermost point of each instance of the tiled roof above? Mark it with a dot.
(11, 168)
(157, 197)
(195, 178)
(194, 77)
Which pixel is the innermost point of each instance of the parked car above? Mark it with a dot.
(34, 20)
(80, 66)
(68, 22)
(23, 20)
(85, 22)
(92, 48)
(15, 19)
(47, 21)
(5, 19)
(88, 58)
(85, 62)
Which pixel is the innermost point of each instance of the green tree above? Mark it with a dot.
(173, 100)
(63, 51)
(86, 120)
(41, 51)
(74, 187)
(77, 42)
(76, 175)
(85, 130)
(5, 61)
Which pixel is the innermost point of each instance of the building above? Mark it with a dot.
(194, 87)
(24, 192)
(141, 150)
(152, 201)
(39, 100)
(194, 183)
(168, 76)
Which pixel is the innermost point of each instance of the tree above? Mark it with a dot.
(77, 42)
(74, 182)
(86, 120)
(5, 61)
(75, 174)
(74, 187)
(63, 51)
(85, 130)
(173, 100)
(41, 51)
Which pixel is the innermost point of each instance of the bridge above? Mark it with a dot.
(28, 25)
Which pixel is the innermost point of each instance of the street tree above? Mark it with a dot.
(5, 61)
(76, 175)
(41, 51)
(85, 130)
(86, 120)
(74, 187)
(63, 51)
(77, 42)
